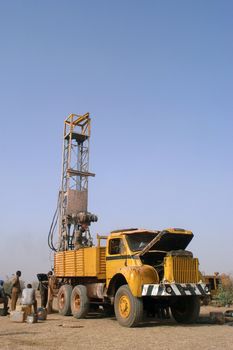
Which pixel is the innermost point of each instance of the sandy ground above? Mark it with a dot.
(99, 332)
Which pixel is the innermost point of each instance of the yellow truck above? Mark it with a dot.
(213, 282)
(137, 270)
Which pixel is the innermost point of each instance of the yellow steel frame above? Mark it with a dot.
(76, 120)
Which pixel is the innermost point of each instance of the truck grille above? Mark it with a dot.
(181, 269)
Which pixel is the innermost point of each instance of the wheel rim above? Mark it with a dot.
(124, 306)
(61, 300)
(77, 302)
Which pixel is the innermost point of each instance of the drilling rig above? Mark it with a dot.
(136, 270)
(72, 215)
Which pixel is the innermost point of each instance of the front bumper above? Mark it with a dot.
(175, 289)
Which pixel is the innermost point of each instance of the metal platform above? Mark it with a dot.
(80, 138)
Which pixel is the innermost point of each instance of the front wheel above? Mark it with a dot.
(186, 309)
(128, 309)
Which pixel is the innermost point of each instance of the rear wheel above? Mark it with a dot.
(79, 302)
(128, 309)
(63, 300)
(186, 309)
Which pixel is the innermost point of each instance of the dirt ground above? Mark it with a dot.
(100, 332)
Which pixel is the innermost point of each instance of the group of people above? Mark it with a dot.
(28, 294)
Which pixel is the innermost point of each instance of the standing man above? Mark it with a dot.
(51, 287)
(43, 287)
(16, 290)
(3, 297)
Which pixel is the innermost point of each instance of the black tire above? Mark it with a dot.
(186, 309)
(80, 303)
(128, 309)
(63, 300)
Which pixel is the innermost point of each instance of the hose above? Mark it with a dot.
(53, 226)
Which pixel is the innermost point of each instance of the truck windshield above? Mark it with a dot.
(138, 241)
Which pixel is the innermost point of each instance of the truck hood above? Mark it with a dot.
(166, 241)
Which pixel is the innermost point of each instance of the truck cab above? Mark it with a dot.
(156, 256)
(154, 268)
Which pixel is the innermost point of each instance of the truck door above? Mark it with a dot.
(115, 257)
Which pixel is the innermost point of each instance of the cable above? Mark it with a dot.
(53, 226)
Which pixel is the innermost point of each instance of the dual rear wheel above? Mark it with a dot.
(73, 301)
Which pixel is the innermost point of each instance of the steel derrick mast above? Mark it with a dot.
(73, 216)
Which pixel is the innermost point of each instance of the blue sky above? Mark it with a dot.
(157, 78)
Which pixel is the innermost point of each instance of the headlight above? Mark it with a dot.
(206, 289)
(168, 289)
